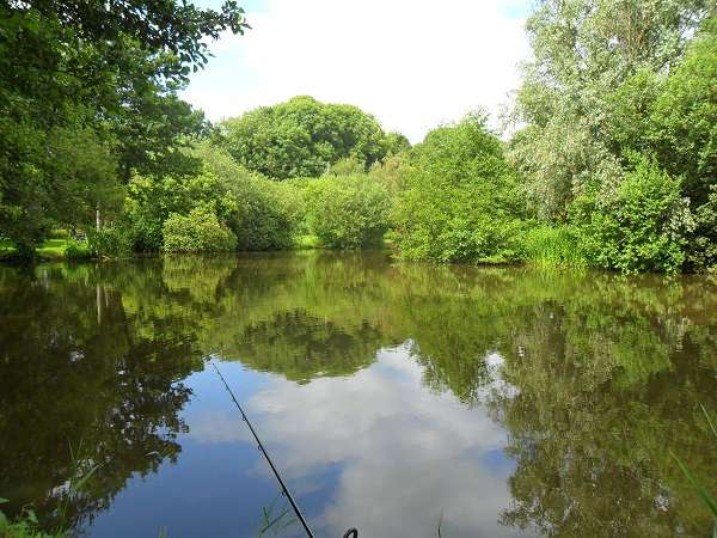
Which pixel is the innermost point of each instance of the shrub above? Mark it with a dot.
(111, 241)
(260, 212)
(641, 226)
(265, 214)
(459, 201)
(347, 212)
(200, 231)
(702, 244)
(77, 250)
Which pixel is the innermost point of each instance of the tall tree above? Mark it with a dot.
(303, 137)
(111, 69)
(584, 52)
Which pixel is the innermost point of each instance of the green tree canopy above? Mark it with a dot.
(108, 72)
(303, 137)
(459, 202)
(585, 51)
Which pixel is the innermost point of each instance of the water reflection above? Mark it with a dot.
(409, 459)
(72, 374)
(495, 401)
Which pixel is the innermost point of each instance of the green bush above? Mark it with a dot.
(77, 250)
(638, 226)
(265, 214)
(151, 200)
(200, 231)
(260, 212)
(459, 201)
(347, 212)
(111, 241)
(702, 245)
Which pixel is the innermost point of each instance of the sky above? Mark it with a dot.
(413, 64)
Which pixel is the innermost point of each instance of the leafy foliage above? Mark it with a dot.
(684, 117)
(87, 95)
(460, 202)
(200, 231)
(303, 138)
(347, 211)
(259, 211)
(613, 82)
(702, 242)
(639, 227)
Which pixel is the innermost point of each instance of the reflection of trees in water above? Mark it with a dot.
(302, 346)
(608, 371)
(606, 394)
(73, 369)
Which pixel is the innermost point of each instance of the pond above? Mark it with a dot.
(404, 400)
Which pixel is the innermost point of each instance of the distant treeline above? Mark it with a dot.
(612, 160)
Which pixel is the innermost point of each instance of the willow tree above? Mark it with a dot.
(585, 51)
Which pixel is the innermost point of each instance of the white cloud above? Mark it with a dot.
(412, 63)
(404, 455)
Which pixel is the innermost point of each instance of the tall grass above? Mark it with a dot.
(547, 245)
(26, 525)
(707, 499)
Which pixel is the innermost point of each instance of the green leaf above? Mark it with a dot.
(709, 420)
(32, 517)
(3, 500)
(77, 486)
(4, 523)
(699, 488)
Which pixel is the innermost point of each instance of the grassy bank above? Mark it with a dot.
(52, 249)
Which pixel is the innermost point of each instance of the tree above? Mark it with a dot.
(72, 65)
(348, 211)
(684, 117)
(303, 137)
(459, 202)
(584, 52)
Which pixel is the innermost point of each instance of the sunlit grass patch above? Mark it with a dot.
(60, 246)
(53, 248)
(307, 242)
(552, 246)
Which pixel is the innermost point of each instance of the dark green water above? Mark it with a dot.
(394, 398)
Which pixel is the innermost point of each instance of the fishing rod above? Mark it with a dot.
(351, 533)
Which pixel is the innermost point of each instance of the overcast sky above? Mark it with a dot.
(413, 64)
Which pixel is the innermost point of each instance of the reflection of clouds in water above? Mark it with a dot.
(497, 387)
(404, 454)
(218, 426)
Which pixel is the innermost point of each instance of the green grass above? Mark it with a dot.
(546, 245)
(53, 248)
(307, 242)
(59, 247)
(707, 499)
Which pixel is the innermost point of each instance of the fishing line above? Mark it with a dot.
(349, 533)
(284, 489)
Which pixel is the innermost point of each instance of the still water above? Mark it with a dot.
(405, 400)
